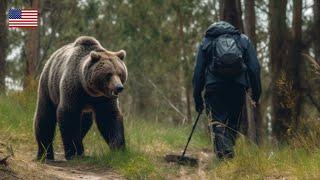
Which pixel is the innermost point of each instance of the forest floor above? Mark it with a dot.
(22, 167)
(147, 143)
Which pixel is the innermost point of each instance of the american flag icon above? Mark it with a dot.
(23, 18)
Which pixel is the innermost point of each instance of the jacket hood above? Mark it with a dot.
(219, 28)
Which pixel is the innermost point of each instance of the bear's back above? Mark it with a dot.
(86, 41)
(65, 63)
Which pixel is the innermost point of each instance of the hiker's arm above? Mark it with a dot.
(199, 76)
(253, 71)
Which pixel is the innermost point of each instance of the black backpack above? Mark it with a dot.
(227, 56)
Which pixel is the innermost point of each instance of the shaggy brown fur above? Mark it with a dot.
(78, 77)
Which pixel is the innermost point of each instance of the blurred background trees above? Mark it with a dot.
(3, 42)
(161, 38)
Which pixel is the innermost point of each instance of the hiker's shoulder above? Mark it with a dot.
(205, 43)
(245, 41)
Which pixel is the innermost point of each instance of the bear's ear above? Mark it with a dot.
(121, 54)
(94, 56)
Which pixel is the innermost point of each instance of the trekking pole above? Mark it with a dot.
(182, 159)
(193, 128)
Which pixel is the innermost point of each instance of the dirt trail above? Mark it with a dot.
(22, 166)
(204, 156)
(63, 171)
(59, 169)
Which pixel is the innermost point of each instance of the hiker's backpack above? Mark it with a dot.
(227, 56)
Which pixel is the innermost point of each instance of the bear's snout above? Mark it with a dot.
(115, 86)
(119, 88)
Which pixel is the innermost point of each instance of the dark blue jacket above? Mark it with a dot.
(203, 79)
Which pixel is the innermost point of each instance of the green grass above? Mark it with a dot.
(255, 162)
(16, 117)
(147, 143)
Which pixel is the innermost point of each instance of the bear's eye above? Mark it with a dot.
(103, 79)
(108, 76)
(92, 63)
(121, 77)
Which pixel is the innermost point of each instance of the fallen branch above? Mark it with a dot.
(165, 98)
(313, 62)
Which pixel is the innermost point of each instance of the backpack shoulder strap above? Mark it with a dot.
(237, 39)
(207, 48)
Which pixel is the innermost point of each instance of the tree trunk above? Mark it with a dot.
(32, 46)
(221, 9)
(232, 13)
(250, 21)
(239, 12)
(281, 107)
(316, 25)
(3, 42)
(255, 124)
(187, 89)
(296, 64)
(259, 125)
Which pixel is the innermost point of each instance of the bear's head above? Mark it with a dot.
(104, 73)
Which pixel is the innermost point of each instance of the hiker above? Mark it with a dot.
(226, 67)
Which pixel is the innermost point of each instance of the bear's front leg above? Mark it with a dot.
(110, 124)
(69, 124)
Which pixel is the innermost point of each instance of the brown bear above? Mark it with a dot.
(80, 81)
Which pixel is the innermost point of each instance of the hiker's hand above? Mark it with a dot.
(199, 108)
(253, 104)
(199, 105)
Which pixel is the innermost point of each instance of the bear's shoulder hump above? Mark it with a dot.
(86, 41)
